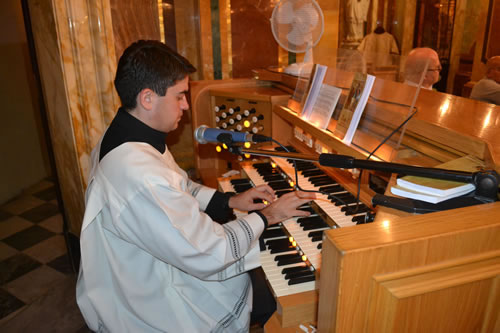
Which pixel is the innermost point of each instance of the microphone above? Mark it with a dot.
(204, 134)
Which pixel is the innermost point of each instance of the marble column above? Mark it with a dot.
(76, 56)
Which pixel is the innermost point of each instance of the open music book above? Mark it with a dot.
(353, 107)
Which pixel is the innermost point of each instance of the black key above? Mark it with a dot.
(317, 239)
(294, 269)
(312, 173)
(287, 259)
(256, 201)
(280, 242)
(279, 185)
(281, 249)
(281, 192)
(322, 183)
(309, 219)
(239, 181)
(352, 210)
(299, 274)
(273, 233)
(315, 233)
(306, 167)
(265, 172)
(320, 246)
(302, 279)
(242, 188)
(314, 226)
(341, 197)
(320, 178)
(272, 177)
(331, 188)
(360, 219)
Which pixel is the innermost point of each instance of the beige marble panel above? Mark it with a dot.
(133, 20)
(206, 51)
(60, 124)
(225, 38)
(75, 50)
(188, 34)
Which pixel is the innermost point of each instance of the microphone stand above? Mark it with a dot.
(486, 182)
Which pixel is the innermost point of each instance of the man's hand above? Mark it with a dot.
(286, 206)
(244, 201)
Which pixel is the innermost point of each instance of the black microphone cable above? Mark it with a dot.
(376, 148)
(297, 178)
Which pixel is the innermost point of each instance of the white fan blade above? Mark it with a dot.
(285, 13)
(308, 17)
(295, 36)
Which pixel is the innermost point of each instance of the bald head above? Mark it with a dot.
(415, 66)
(493, 69)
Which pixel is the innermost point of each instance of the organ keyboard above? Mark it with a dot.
(331, 210)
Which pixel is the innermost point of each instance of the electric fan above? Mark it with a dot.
(297, 26)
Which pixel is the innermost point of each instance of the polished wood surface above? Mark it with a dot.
(436, 272)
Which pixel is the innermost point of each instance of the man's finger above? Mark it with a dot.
(258, 206)
(306, 195)
(301, 213)
(265, 189)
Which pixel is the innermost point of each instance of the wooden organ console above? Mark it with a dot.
(436, 272)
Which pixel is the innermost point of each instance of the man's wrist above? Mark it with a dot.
(263, 217)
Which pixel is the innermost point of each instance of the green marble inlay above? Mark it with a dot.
(292, 58)
(216, 48)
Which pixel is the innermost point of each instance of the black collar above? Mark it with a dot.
(127, 128)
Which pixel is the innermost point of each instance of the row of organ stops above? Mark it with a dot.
(240, 121)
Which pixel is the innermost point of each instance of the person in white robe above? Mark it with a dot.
(377, 48)
(152, 260)
(356, 12)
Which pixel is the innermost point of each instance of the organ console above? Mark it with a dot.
(352, 267)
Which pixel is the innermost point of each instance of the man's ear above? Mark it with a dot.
(145, 98)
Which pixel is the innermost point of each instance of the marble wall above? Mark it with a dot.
(76, 57)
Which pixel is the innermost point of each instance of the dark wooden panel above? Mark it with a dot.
(253, 44)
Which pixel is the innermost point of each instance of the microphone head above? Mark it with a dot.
(198, 134)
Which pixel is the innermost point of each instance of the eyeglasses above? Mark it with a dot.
(438, 69)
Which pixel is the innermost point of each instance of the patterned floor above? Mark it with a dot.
(37, 282)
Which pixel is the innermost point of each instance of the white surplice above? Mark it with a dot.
(151, 260)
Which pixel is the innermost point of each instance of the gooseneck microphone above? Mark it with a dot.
(204, 134)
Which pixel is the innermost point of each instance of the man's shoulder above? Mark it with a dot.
(136, 161)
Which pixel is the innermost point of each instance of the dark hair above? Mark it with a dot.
(148, 64)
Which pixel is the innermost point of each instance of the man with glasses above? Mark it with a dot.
(419, 60)
(488, 88)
